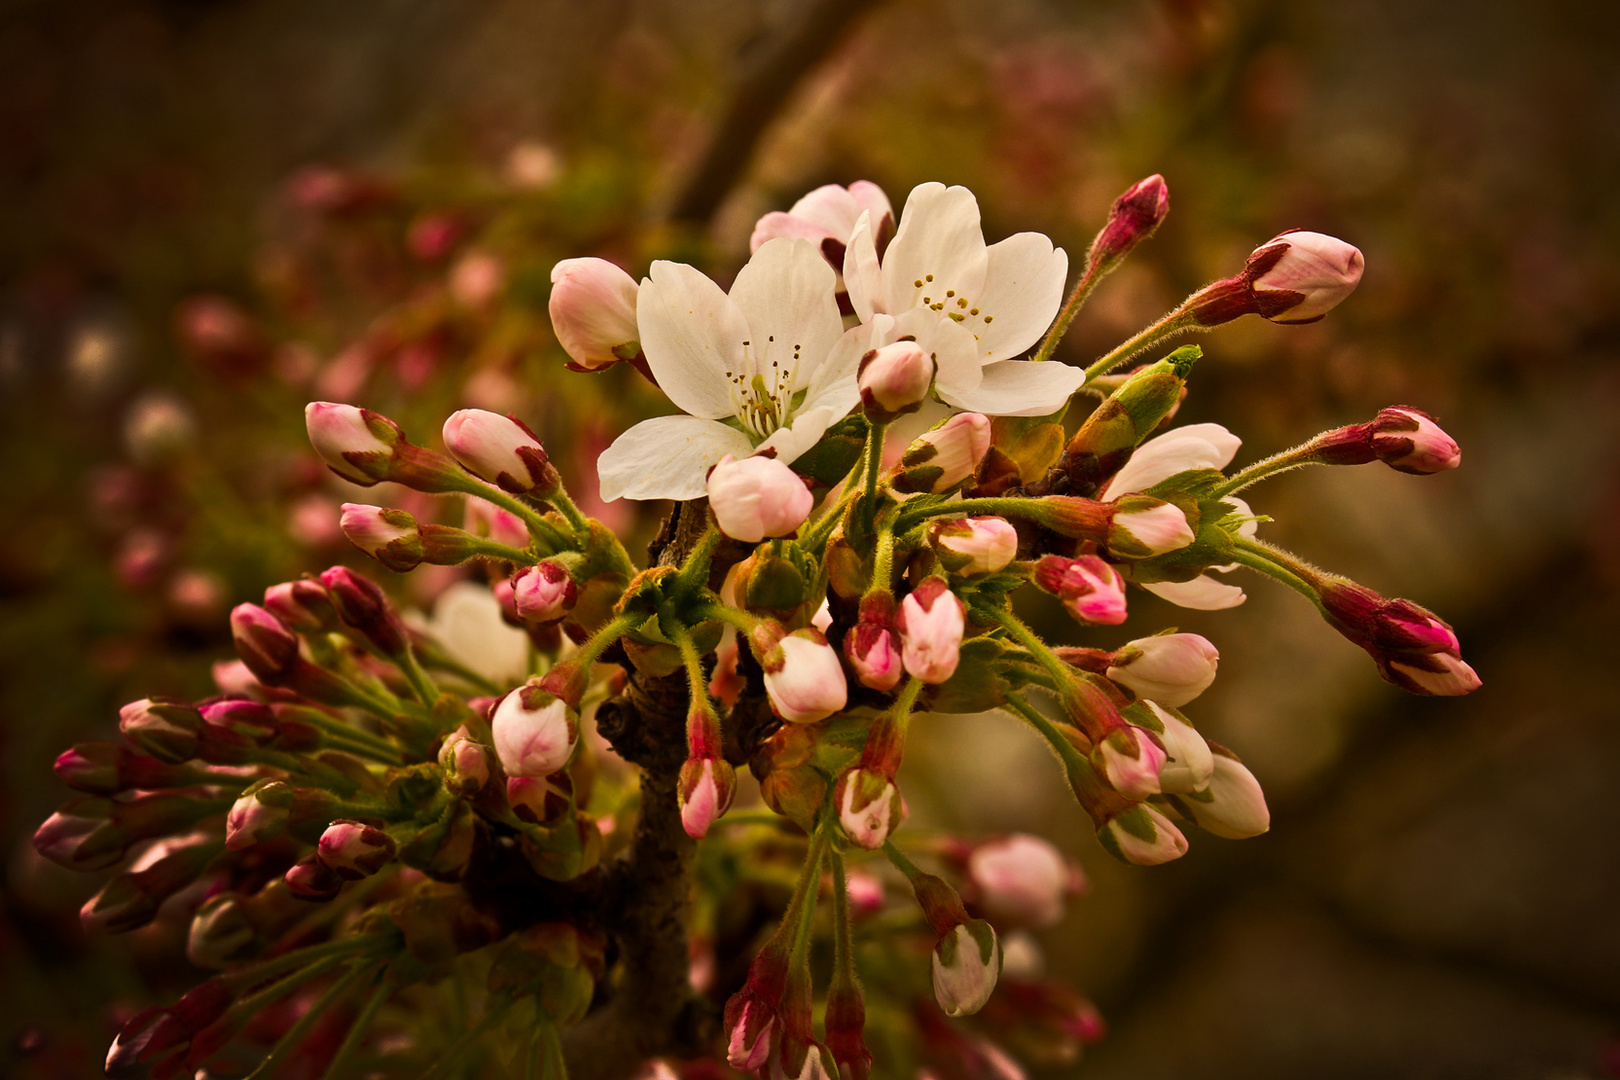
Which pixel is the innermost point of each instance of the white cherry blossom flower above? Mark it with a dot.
(767, 367)
(1196, 446)
(990, 303)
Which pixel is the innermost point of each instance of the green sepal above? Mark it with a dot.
(831, 459)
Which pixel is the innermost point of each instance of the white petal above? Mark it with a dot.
(1202, 593)
(806, 430)
(952, 346)
(1023, 288)
(667, 457)
(467, 622)
(830, 207)
(939, 245)
(844, 358)
(786, 294)
(776, 223)
(1020, 388)
(1196, 446)
(863, 278)
(692, 334)
(872, 199)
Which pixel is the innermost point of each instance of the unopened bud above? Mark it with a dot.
(364, 607)
(1189, 762)
(1142, 835)
(1143, 527)
(534, 732)
(944, 457)
(966, 965)
(354, 849)
(593, 312)
(500, 449)
(1410, 441)
(311, 879)
(1130, 760)
(1310, 278)
(970, 546)
(803, 678)
(262, 813)
(1091, 589)
(303, 605)
(540, 800)
(757, 497)
(1171, 669)
(1232, 806)
(465, 764)
(544, 593)
(264, 642)
(162, 727)
(392, 537)
(251, 719)
(869, 807)
(1022, 879)
(931, 623)
(1133, 218)
(705, 790)
(895, 379)
(220, 932)
(357, 444)
(872, 645)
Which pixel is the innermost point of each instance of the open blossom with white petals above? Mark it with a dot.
(757, 497)
(988, 303)
(1195, 446)
(771, 358)
(827, 218)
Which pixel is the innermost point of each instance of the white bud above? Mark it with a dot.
(757, 497)
(1232, 806)
(1171, 669)
(803, 678)
(1143, 836)
(896, 378)
(593, 312)
(534, 732)
(966, 964)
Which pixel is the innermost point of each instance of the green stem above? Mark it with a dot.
(755, 817)
(731, 616)
(1177, 322)
(275, 965)
(843, 944)
(694, 573)
(816, 537)
(492, 1015)
(1071, 307)
(421, 683)
(1062, 673)
(804, 897)
(883, 560)
(901, 863)
(570, 512)
(1004, 507)
(599, 641)
(296, 1034)
(539, 528)
(357, 1031)
(436, 658)
(1065, 750)
(1273, 563)
(872, 466)
(1294, 458)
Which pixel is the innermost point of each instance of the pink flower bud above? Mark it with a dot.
(1232, 806)
(803, 678)
(81, 836)
(162, 727)
(1410, 441)
(1414, 648)
(1438, 674)
(265, 644)
(1133, 218)
(543, 593)
(1313, 275)
(895, 379)
(363, 606)
(303, 605)
(392, 537)
(970, 546)
(1143, 836)
(220, 932)
(355, 443)
(1129, 760)
(931, 623)
(465, 765)
(354, 849)
(1171, 669)
(1022, 879)
(1189, 762)
(966, 964)
(757, 497)
(1091, 589)
(705, 791)
(750, 1032)
(262, 813)
(872, 653)
(1143, 527)
(944, 457)
(500, 449)
(593, 312)
(252, 719)
(534, 732)
(869, 807)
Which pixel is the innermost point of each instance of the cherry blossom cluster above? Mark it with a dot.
(874, 453)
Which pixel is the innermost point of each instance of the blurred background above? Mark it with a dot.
(211, 212)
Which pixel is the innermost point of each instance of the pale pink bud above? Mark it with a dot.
(869, 807)
(1142, 835)
(1090, 588)
(1143, 527)
(1189, 762)
(255, 817)
(1232, 806)
(931, 623)
(593, 312)
(705, 791)
(1171, 669)
(976, 545)
(872, 653)
(534, 732)
(354, 849)
(803, 678)
(302, 605)
(465, 765)
(895, 379)
(757, 497)
(966, 964)
(1130, 761)
(1410, 441)
(944, 457)
(1318, 270)
(543, 593)
(264, 642)
(1454, 678)
(499, 449)
(392, 537)
(749, 1043)
(344, 437)
(1022, 879)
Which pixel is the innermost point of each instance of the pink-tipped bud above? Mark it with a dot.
(392, 537)
(262, 813)
(534, 732)
(161, 727)
(966, 965)
(500, 449)
(931, 624)
(303, 605)
(970, 546)
(465, 764)
(1143, 527)
(1133, 218)
(1410, 441)
(1189, 762)
(1438, 674)
(705, 790)
(1143, 836)
(1232, 805)
(1091, 589)
(751, 1031)
(1129, 759)
(1314, 273)
(264, 642)
(871, 650)
(869, 807)
(357, 444)
(803, 678)
(895, 379)
(757, 497)
(251, 719)
(354, 849)
(363, 606)
(1022, 879)
(944, 457)
(81, 836)
(1414, 648)
(1171, 669)
(543, 593)
(593, 313)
